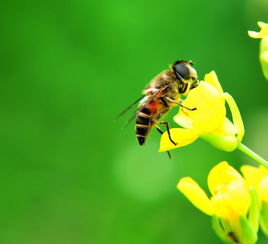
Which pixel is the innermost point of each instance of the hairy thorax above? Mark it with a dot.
(167, 79)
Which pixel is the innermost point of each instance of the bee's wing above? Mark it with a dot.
(129, 107)
(129, 120)
(142, 99)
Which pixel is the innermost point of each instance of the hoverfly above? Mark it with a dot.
(163, 93)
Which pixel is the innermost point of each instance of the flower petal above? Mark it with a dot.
(181, 136)
(196, 195)
(233, 200)
(258, 178)
(226, 129)
(210, 112)
(211, 120)
(263, 32)
(221, 175)
(224, 137)
(183, 120)
(251, 175)
(264, 189)
(212, 79)
(261, 24)
(254, 34)
(238, 122)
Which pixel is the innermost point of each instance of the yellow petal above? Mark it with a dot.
(211, 120)
(210, 112)
(251, 175)
(254, 34)
(240, 198)
(238, 122)
(264, 189)
(204, 97)
(183, 120)
(263, 171)
(232, 200)
(181, 136)
(261, 24)
(226, 129)
(263, 32)
(254, 175)
(196, 195)
(224, 137)
(258, 178)
(222, 174)
(212, 79)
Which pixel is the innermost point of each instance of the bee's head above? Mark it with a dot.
(185, 72)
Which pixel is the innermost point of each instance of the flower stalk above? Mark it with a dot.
(252, 155)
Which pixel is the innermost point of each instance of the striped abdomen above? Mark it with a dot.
(143, 123)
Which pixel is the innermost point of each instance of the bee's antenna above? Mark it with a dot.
(191, 62)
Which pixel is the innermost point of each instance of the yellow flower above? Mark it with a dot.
(263, 34)
(258, 178)
(208, 121)
(231, 203)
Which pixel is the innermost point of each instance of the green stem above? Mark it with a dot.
(252, 155)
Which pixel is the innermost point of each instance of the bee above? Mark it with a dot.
(163, 93)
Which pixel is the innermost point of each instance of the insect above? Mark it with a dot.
(163, 93)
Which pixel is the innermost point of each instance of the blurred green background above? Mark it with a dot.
(68, 173)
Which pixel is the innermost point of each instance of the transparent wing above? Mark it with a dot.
(153, 96)
(129, 107)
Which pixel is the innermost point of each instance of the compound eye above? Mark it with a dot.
(182, 70)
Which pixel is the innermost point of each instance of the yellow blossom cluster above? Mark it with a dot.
(237, 203)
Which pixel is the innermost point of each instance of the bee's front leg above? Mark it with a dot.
(178, 103)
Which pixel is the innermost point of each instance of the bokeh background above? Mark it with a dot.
(68, 173)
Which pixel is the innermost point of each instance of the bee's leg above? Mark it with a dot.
(178, 103)
(167, 126)
(161, 132)
(168, 131)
